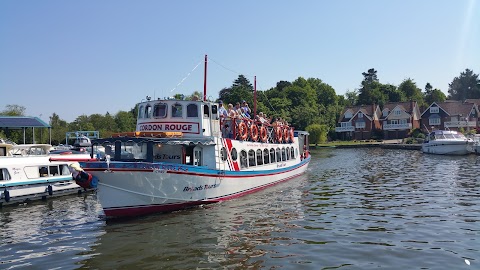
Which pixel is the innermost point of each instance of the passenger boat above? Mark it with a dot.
(184, 154)
(446, 142)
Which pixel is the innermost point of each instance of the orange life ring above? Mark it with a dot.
(242, 131)
(254, 132)
(263, 134)
(279, 134)
(292, 135)
(286, 134)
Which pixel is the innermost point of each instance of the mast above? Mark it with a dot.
(205, 81)
(254, 96)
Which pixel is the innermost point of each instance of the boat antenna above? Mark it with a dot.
(205, 81)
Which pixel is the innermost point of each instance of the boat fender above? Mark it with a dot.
(86, 180)
(6, 195)
(50, 190)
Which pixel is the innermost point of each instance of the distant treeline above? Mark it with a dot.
(307, 104)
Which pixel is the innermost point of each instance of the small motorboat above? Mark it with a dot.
(446, 142)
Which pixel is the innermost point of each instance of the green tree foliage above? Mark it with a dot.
(370, 91)
(467, 85)
(410, 90)
(318, 133)
(13, 110)
(241, 89)
(433, 95)
(59, 129)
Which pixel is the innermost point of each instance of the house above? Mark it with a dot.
(398, 119)
(358, 123)
(451, 114)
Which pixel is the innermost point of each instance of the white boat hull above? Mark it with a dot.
(446, 147)
(132, 193)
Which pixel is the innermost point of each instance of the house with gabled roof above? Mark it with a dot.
(451, 114)
(358, 123)
(398, 119)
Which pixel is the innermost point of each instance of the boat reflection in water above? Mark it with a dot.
(235, 233)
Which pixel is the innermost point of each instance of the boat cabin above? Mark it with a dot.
(191, 118)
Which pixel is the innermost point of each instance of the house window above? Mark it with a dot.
(348, 115)
(434, 110)
(360, 115)
(360, 124)
(345, 124)
(394, 122)
(385, 113)
(434, 121)
(397, 112)
(473, 112)
(403, 121)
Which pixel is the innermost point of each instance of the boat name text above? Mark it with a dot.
(202, 187)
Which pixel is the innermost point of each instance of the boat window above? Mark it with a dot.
(279, 157)
(4, 175)
(292, 153)
(54, 171)
(243, 159)
(251, 158)
(266, 156)
(223, 153)
(272, 155)
(206, 111)
(287, 151)
(214, 109)
(43, 171)
(259, 157)
(192, 110)
(64, 169)
(160, 110)
(197, 157)
(141, 112)
(177, 110)
(234, 154)
(3, 151)
(131, 150)
(284, 155)
(148, 111)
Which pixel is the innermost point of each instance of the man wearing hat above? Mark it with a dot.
(222, 112)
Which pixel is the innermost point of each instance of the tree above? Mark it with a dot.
(13, 110)
(351, 98)
(467, 85)
(317, 133)
(59, 129)
(433, 95)
(370, 91)
(410, 90)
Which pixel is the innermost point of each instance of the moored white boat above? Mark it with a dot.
(24, 178)
(446, 142)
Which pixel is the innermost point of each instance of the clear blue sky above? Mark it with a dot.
(85, 57)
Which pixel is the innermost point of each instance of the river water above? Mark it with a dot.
(354, 209)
